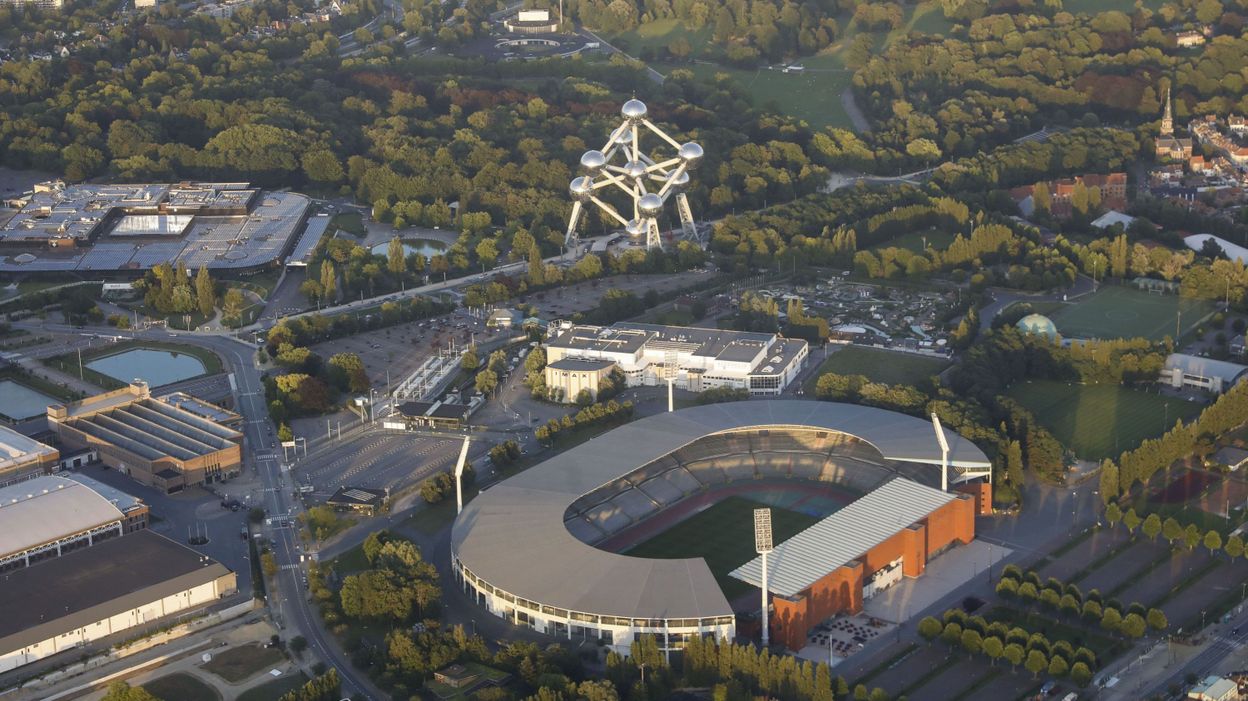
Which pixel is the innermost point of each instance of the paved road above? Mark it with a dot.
(1002, 298)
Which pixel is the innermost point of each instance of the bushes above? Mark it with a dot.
(1066, 600)
(505, 453)
(441, 485)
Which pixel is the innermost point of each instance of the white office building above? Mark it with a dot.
(580, 357)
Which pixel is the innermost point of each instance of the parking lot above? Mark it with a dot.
(377, 460)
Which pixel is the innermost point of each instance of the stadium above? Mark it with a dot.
(575, 547)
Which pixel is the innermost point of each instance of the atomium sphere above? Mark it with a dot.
(680, 180)
(593, 160)
(624, 137)
(635, 169)
(634, 110)
(581, 187)
(650, 204)
(690, 152)
(634, 228)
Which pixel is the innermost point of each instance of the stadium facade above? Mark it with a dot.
(555, 513)
(580, 357)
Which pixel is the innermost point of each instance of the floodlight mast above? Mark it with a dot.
(635, 176)
(459, 477)
(944, 452)
(763, 545)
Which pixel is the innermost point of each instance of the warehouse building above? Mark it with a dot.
(581, 357)
(90, 594)
(1183, 371)
(50, 516)
(22, 457)
(865, 548)
(158, 444)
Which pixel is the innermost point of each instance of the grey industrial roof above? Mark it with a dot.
(844, 536)
(312, 234)
(580, 364)
(48, 508)
(155, 429)
(124, 501)
(17, 449)
(1206, 367)
(79, 588)
(199, 407)
(520, 521)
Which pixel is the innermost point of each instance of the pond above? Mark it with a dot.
(425, 247)
(156, 367)
(17, 401)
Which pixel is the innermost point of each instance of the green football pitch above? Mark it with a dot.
(724, 535)
(889, 367)
(1125, 312)
(1100, 421)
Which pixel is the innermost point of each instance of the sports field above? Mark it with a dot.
(1125, 312)
(888, 367)
(723, 534)
(1100, 421)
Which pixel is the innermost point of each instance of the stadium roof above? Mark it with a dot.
(47, 508)
(843, 537)
(520, 521)
(118, 575)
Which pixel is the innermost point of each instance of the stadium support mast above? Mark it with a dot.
(944, 452)
(459, 477)
(636, 175)
(763, 545)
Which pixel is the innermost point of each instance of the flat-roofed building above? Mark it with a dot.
(21, 457)
(157, 443)
(207, 410)
(451, 415)
(697, 359)
(531, 22)
(85, 596)
(49, 516)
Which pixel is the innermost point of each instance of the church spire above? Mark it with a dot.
(1167, 118)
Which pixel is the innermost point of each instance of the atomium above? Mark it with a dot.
(647, 181)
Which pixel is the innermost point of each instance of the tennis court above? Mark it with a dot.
(1126, 312)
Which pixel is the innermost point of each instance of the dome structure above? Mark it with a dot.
(1038, 324)
(634, 110)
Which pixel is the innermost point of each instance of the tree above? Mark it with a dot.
(205, 293)
(329, 280)
(469, 360)
(1080, 674)
(121, 691)
(1014, 464)
(1041, 198)
(486, 381)
(952, 634)
(1013, 654)
(1157, 619)
(1191, 536)
(1213, 540)
(1109, 481)
(930, 628)
(1113, 514)
(1234, 547)
(1111, 619)
(322, 166)
(1151, 526)
(347, 373)
(396, 260)
(993, 649)
(1036, 663)
(1131, 520)
(232, 306)
(1133, 625)
(1058, 667)
(1170, 530)
(972, 641)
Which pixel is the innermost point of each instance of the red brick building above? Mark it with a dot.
(829, 568)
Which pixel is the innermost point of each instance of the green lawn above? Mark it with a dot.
(350, 222)
(182, 687)
(239, 663)
(269, 691)
(1100, 421)
(656, 36)
(813, 95)
(1125, 312)
(888, 367)
(724, 535)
